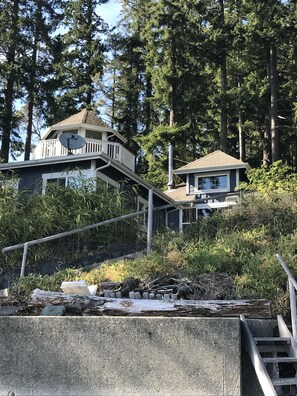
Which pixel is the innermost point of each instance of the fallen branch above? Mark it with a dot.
(120, 306)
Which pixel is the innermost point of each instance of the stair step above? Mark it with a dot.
(284, 381)
(272, 339)
(280, 359)
(271, 348)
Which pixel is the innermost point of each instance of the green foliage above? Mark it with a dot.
(241, 243)
(25, 217)
(271, 179)
(27, 284)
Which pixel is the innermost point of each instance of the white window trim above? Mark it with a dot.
(197, 176)
(108, 180)
(64, 175)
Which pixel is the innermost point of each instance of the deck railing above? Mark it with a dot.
(53, 148)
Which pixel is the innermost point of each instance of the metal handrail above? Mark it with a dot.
(150, 210)
(25, 245)
(292, 292)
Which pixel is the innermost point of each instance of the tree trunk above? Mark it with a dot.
(31, 97)
(266, 143)
(275, 150)
(223, 70)
(172, 105)
(119, 306)
(10, 83)
(241, 134)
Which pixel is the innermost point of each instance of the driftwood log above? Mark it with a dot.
(93, 305)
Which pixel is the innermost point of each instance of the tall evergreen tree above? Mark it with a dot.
(41, 20)
(81, 59)
(9, 73)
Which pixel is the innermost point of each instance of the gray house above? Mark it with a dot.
(103, 158)
(211, 181)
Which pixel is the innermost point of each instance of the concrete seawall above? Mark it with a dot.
(120, 356)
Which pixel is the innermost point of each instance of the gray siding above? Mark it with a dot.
(31, 177)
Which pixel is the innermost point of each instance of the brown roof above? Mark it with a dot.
(213, 160)
(178, 193)
(83, 117)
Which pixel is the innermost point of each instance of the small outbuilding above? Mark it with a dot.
(211, 181)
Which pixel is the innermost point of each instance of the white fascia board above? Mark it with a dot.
(49, 161)
(215, 205)
(211, 169)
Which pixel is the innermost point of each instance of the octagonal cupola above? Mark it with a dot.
(97, 135)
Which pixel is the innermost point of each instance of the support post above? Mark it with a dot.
(149, 222)
(170, 167)
(24, 259)
(180, 220)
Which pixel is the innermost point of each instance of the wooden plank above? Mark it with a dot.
(121, 306)
(260, 369)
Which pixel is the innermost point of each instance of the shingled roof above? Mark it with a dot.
(217, 159)
(83, 117)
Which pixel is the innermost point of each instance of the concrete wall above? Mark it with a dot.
(120, 356)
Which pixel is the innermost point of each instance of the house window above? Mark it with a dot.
(60, 181)
(213, 183)
(189, 215)
(93, 134)
(72, 179)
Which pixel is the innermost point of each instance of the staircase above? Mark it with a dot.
(272, 358)
(275, 358)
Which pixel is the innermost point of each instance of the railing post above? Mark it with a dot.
(149, 222)
(25, 251)
(293, 309)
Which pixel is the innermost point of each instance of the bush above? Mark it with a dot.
(25, 217)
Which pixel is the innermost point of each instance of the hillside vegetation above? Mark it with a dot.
(241, 242)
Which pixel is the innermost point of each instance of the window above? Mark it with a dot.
(72, 179)
(61, 181)
(189, 215)
(214, 182)
(93, 134)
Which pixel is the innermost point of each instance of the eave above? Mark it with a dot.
(243, 165)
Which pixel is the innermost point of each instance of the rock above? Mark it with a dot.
(4, 293)
(8, 310)
(53, 310)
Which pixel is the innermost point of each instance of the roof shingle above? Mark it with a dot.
(83, 117)
(213, 160)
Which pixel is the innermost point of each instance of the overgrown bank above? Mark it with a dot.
(240, 243)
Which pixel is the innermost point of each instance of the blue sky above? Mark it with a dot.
(110, 12)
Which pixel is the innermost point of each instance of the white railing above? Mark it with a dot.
(53, 148)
